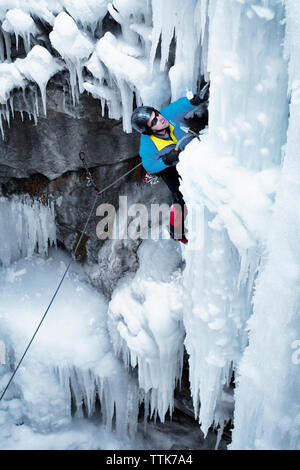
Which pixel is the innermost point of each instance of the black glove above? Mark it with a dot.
(196, 100)
(171, 157)
(201, 96)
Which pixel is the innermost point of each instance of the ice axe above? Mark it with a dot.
(189, 132)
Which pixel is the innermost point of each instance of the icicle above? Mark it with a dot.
(35, 118)
(2, 53)
(73, 83)
(157, 7)
(26, 39)
(35, 100)
(17, 41)
(1, 124)
(7, 116)
(7, 45)
(11, 104)
(26, 226)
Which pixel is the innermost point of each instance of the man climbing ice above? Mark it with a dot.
(163, 138)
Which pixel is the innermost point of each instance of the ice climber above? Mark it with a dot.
(162, 140)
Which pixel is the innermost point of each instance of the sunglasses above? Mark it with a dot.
(154, 120)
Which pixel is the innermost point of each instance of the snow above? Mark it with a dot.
(231, 296)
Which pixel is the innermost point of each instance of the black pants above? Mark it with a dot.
(171, 177)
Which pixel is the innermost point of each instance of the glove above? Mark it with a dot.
(201, 96)
(196, 100)
(171, 158)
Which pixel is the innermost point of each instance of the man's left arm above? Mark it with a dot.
(179, 108)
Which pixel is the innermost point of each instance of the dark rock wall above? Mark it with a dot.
(51, 147)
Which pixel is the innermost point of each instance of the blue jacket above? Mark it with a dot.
(152, 147)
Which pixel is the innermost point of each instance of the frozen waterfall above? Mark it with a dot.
(231, 296)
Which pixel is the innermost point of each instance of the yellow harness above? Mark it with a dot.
(161, 143)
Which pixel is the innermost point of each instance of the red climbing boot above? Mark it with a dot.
(176, 224)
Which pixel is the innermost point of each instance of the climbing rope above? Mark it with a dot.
(89, 177)
(98, 193)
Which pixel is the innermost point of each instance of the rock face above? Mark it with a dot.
(51, 147)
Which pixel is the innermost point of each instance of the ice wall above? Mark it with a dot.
(234, 172)
(267, 396)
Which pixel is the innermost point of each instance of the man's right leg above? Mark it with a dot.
(171, 177)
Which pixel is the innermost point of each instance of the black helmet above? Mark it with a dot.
(140, 117)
